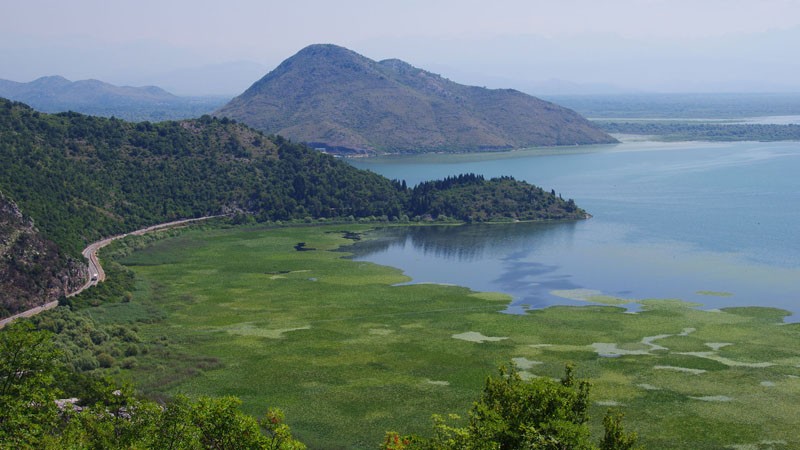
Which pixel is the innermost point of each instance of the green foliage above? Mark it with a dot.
(182, 423)
(205, 423)
(615, 437)
(86, 345)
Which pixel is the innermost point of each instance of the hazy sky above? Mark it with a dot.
(639, 45)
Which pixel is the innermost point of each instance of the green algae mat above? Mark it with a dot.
(348, 353)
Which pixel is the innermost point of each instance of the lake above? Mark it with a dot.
(712, 223)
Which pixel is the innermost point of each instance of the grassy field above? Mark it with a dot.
(348, 356)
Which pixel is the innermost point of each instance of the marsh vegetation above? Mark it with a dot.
(348, 354)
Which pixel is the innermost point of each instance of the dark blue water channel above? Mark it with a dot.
(670, 221)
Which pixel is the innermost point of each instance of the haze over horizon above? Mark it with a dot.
(539, 47)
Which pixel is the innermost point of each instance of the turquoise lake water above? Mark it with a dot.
(671, 220)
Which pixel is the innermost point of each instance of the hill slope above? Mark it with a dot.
(82, 177)
(57, 94)
(32, 269)
(335, 98)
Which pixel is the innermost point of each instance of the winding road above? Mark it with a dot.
(96, 273)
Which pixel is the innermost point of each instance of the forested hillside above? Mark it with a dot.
(80, 178)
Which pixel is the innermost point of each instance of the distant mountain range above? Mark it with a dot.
(57, 94)
(336, 99)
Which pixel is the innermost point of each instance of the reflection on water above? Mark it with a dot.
(482, 257)
(670, 220)
(470, 243)
(529, 261)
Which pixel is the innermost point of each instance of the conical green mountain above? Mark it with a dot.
(334, 98)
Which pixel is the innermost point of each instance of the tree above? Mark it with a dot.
(540, 413)
(615, 437)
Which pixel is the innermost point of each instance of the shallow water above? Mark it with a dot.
(670, 221)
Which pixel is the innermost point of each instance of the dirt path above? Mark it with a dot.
(96, 273)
